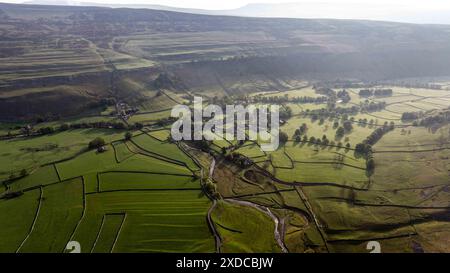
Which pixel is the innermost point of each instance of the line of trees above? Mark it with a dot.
(420, 119)
(324, 141)
(411, 116)
(301, 130)
(65, 126)
(372, 106)
(365, 148)
(285, 99)
(375, 92)
(440, 118)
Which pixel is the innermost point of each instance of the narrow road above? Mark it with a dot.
(217, 237)
(212, 167)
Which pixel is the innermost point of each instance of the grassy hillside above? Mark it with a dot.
(53, 55)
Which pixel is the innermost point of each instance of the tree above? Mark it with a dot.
(285, 113)
(138, 125)
(370, 164)
(283, 137)
(303, 128)
(348, 146)
(391, 125)
(340, 132)
(64, 127)
(348, 126)
(46, 130)
(128, 135)
(119, 126)
(97, 143)
(212, 189)
(363, 149)
(335, 125)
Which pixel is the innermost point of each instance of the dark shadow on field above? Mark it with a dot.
(105, 132)
(358, 155)
(296, 144)
(26, 138)
(433, 129)
(282, 145)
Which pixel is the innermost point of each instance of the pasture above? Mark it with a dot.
(252, 233)
(145, 194)
(29, 153)
(116, 201)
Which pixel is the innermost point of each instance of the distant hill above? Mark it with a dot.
(134, 6)
(312, 9)
(52, 55)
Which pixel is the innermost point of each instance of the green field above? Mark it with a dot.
(18, 154)
(159, 221)
(18, 216)
(115, 201)
(145, 194)
(60, 209)
(86, 152)
(252, 233)
(142, 181)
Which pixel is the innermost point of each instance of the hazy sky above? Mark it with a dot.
(412, 11)
(412, 5)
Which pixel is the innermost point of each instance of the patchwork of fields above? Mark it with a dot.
(148, 194)
(343, 205)
(141, 198)
(86, 154)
